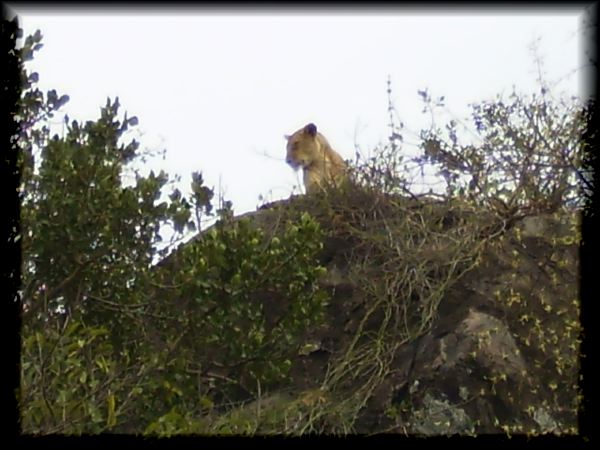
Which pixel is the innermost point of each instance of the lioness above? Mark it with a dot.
(309, 150)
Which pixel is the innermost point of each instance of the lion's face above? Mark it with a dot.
(302, 147)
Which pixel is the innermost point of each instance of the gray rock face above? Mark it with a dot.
(502, 355)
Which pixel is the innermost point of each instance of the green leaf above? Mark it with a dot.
(111, 418)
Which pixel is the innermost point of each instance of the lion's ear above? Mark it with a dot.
(287, 137)
(311, 129)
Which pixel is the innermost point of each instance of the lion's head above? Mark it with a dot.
(303, 147)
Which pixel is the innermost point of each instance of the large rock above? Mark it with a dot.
(500, 349)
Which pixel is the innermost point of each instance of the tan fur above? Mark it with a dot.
(309, 150)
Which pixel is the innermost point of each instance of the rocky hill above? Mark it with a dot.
(441, 319)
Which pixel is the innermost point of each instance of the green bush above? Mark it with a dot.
(106, 347)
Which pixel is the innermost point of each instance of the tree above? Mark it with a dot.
(88, 243)
(526, 159)
(105, 333)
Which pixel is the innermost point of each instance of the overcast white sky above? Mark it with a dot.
(219, 89)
